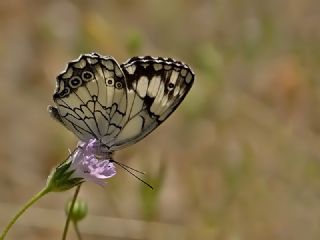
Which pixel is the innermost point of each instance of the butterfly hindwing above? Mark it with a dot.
(91, 97)
(155, 88)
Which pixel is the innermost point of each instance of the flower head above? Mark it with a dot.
(86, 163)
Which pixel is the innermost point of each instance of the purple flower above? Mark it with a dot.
(87, 165)
(90, 161)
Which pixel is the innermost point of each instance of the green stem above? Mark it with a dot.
(35, 198)
(76, 228)
(66, 226)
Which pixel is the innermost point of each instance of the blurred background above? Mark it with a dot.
(239, 159)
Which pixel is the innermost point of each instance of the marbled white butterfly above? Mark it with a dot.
(118, 105)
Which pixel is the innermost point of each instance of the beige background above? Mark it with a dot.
(239, 159)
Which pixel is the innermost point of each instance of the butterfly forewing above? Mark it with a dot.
(156, 86)
(119, 105)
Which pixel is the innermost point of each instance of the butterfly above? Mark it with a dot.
(118, 104)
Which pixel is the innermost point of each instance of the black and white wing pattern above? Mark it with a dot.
(155, 88)
(118, 105)
(91, 97)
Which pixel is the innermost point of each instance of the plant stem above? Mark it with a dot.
(35, 198)
(76, 228)
(66, 226)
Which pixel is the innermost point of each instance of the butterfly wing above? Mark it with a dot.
(155, 88)
(91, 97)
(118, 105)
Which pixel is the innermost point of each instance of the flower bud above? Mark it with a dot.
(79, 210)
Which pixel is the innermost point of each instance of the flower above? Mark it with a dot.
(87, 162)
(87, 166)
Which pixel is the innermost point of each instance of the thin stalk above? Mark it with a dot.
(76, 228)
(35, 198)
(66, 226)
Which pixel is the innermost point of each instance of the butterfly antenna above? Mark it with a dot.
(125, 167)
(128, 167)
(69, 155)
(121, 164)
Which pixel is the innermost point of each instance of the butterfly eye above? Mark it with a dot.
(87, 76)
(75, 82)
(170, 86)
(118, 85)
(109, 81)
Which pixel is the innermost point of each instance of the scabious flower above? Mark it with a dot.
(85, 163)
(87, 166)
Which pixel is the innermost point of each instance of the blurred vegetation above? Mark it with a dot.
(240, 159)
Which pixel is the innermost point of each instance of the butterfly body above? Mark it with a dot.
(118, 105)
